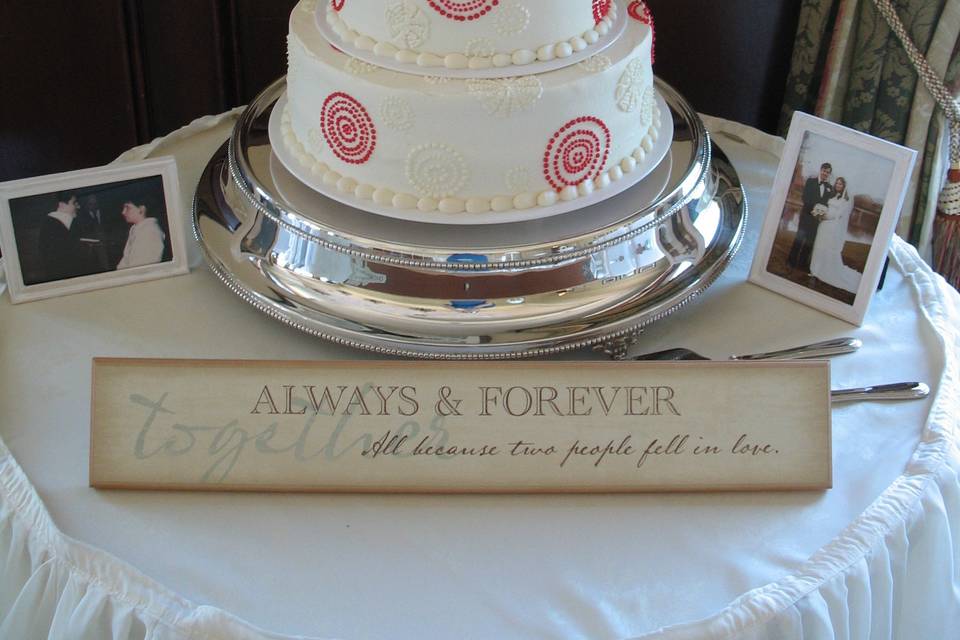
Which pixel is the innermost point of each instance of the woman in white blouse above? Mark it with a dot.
(145, 242)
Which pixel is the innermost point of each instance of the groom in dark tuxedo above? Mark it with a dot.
(816, 191)
(91, 226)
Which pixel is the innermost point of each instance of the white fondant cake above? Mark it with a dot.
(470, 34)
(452, 145)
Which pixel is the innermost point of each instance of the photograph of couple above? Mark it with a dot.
(830, 217)
(73, 233)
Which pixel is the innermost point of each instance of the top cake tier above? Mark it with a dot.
(469, 34)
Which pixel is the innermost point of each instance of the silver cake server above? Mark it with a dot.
(894, 391)
(817, 350)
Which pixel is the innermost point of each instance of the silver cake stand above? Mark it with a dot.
(591, 278)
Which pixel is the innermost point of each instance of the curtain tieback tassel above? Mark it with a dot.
(946, 236)
(946, 229)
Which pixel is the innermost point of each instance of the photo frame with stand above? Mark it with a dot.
(833, 208)
(84, 230)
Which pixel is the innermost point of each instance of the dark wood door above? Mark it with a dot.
(101, 76)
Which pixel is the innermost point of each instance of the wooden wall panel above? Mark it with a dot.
(66, 86)
(185, 60)
(729, 58)
(261, 30)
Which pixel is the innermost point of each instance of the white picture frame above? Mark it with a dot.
(100, 251)
(822, 247)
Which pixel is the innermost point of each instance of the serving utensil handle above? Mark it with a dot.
(896, 391)
(817, 350)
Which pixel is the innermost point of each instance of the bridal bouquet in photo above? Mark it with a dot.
(819, 211)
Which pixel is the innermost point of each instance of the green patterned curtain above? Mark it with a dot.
(850, 68)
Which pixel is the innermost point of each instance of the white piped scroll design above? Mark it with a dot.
(631, 85)
(396, 113)
(512, 18)
(436, 170)
(596, 64)
(503, 97)
(409, 26)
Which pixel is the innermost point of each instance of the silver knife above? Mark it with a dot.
(895, 391)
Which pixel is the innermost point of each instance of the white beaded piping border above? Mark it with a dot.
(386, 197)
(546, 53)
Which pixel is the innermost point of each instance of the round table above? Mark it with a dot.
(876, 556)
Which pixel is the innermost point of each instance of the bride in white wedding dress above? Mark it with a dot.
(826, 261)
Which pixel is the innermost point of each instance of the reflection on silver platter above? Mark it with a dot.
(306, 178)
(593, 277)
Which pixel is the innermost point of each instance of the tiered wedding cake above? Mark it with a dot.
(497, 141)
(417, 151)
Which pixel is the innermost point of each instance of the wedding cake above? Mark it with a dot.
(466, 129)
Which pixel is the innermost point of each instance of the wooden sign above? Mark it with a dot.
(431, 427)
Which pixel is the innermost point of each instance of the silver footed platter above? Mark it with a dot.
(589, 278)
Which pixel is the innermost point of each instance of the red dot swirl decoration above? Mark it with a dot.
(577, 152)
(348, 128)
(463, 10)
(337, 4)
(600, 9)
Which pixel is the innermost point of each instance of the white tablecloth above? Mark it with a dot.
(878, 556)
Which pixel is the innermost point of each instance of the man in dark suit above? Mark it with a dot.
(93, 237)
(816, 191)
(59, 241)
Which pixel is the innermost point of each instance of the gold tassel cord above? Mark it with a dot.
(946, 229)
(946, 236)
(949, 200)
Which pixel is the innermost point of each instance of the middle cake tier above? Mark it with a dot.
(474, 145)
